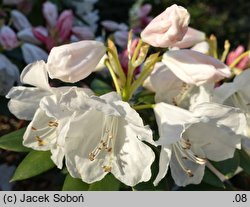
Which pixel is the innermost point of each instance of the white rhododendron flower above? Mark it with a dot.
(188, 139)
(75, 61)
(107, 138)
(195, 68)
(50, 123)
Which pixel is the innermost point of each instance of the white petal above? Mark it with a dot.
(133, 158)
(24, 101)
(165, 156)
(36, 74)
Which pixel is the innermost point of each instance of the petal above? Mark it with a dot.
(172, 122)
(24, 101)
(180, 177)
(36, 74)
(133, 158)
(165, 156)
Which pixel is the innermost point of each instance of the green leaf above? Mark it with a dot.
(14, 141)
(35, 163)
(229, 166)
(212, 179)
(244, 160)
(108, 183)
(74, 184)
(100, 87)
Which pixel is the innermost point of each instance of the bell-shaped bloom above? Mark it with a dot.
(195, 68)
(188, 138)
(191, 38)
(9, 74)
(64, 24)
(32, 53)
(8, 38)
(75, 61)
(113, 26)
(27, 35)
(83, 33)
(109, 140)
(50, 13)
(167, 28)
(19, 20)
(235, 54)
(48, 129)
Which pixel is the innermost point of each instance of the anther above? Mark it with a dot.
(53, 124)
(189, 173)
(40, 141)
(33, 128)
(107, 168)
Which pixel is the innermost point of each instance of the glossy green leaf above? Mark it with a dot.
(212, 179)
(229, 166)
(14, 141)
(244, 160)
(100, 87)
(108, 183)
(74, 184)
(35, 163)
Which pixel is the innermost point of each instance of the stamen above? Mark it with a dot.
(39, 140)
(52, 124)
(33, 128)
(107, 168)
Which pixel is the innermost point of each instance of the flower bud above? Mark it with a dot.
(8, 38)
(167, 28)
(19, 20)
(195, 68)
(83, 33)
(113, 26)
(50, 13)
(27, 35)
(64, 24)
(75, 61)
(32, 53)
(121, 38)
(232, 56)
(9, 74)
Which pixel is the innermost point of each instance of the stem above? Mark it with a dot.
(238, 59)
(146, 106)
(112, 73)
(118, 66)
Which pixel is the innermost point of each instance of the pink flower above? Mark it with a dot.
(195, 68)
(167, 28)
(64, 24)
(50, 13)
(41, 34)
(8, 38)
(235, 54)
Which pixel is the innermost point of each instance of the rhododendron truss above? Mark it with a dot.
(118, 114)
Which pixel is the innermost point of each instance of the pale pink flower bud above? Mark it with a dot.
(19, 20)
(32, 53)
(235, 54)
(144, 10)
(64, 24)
(8, 38)
(83, 33)
(167, 28)
(195, 68)
(191, 38)
(75, 61)
(50, 13)
(27, 35)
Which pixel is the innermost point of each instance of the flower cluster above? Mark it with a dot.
(200, 103)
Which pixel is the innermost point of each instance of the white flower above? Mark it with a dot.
(9, 74)
(107, 138)
(211, 131)
(75, 61)
(32, 53)
(48, 129)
